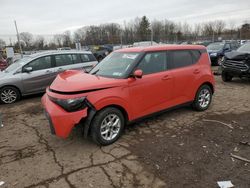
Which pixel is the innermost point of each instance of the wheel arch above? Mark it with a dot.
(209, 84)
(119, 107)
(93, 111)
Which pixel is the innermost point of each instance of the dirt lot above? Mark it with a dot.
(181, 148)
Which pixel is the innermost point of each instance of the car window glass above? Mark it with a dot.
(76, 58)
(40, 63)
(196, 55)
(153, 63)
(227, 46)
(85, 58)
(181, 58)
(62, 60)
(91, 57)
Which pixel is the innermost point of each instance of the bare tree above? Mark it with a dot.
(66, 39)
(58, 40)
(219, 26)
(27, 38)
(39, 42)
(2, 43)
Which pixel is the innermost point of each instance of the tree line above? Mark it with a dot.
(139, 29)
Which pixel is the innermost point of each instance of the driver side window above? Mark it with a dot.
(40, 64)
(153, 62)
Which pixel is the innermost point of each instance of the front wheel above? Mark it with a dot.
(203, 98)
(9, 95)
(107, 126)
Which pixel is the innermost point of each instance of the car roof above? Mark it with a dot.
(57, 52)
(163, 48)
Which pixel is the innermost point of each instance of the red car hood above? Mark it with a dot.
(74, 81)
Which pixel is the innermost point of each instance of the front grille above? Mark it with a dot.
(238, 65)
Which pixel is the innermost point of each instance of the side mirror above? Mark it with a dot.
(226, 49)
(28, 69)
(138, 73)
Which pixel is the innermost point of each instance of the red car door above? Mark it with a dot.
(153, 91)
(185, 72)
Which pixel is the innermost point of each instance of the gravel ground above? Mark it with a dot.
(181, 148)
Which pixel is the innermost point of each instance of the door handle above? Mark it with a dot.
(49, 71)
(166, 77)
(60, 70)
(197, 71)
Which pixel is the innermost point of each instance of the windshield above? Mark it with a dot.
(115, 65)
(215, 46)
(17, 64)
(244, 48)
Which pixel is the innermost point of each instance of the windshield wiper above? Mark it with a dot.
(95, 72)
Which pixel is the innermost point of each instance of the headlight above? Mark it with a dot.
(71, 105)
(213, 54)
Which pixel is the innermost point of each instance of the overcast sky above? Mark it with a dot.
(56, 16)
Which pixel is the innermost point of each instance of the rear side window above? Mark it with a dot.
(181, 58)
(40, 63)
(76, 58)
(153, 63)
(87, 57)
(196, 55)
(63, 60)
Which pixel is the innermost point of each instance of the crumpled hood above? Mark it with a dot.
(235, 55)
(78, 81)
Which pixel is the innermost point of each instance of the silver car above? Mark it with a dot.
(32, 74)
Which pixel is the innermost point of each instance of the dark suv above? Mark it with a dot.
(236, 63)
(217, 50)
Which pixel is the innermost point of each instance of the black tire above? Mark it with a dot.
(197, 104)
(226, 77)
(15, 95)
(98, 121)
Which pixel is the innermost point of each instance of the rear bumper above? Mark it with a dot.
(61, 122)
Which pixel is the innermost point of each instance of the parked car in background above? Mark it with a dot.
(128, 85)
(3, 64)
(64, 48)
(34, 73)
(204, 43)
(145, 43)
(236, 63)
(217, 50)
(100, 52)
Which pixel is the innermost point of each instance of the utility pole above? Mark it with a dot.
(121, 39)
(152, 35)
(213, 35)
(18, 39)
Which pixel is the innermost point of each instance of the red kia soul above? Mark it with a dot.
(126, 86)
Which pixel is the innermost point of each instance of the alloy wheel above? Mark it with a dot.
(110, 127)
(8, 96)
(204, 98)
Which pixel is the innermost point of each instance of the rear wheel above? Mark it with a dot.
(107, 126)
(226, 77)
(9, 95)
(203, 98)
